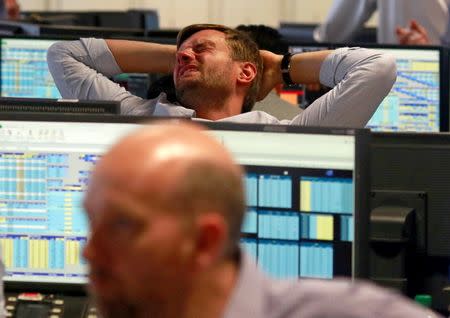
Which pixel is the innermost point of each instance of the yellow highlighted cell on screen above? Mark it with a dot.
(305, 196)
(7, 251)
(72, 252)
(425, 66)
(39, 253)
(325, 227)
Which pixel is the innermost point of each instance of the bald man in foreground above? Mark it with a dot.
(165, 206)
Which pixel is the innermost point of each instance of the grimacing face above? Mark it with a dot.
(204, 62)
(136, 252)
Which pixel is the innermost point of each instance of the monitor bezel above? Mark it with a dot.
(361, 178)
(110, 107)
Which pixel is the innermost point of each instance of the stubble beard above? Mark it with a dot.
(209, 90)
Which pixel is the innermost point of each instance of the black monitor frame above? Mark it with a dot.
(141, 18)
(12, 28)
(83, 31)
(66, 106)
(360, 177)
(410, 171)
(304, 32)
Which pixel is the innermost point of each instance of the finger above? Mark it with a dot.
(421, 30)
(402, 35)
(401, 31)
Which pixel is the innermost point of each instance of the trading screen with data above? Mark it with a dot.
(299, 223)
(413, 104)
(300, 201)
(24, 70)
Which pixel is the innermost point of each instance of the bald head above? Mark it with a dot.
(175, 168)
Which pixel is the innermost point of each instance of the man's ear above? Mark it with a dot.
(210, 239)
(247, 73)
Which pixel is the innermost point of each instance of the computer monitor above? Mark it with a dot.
(134, 18)
(304, 33)
(44, 168)
(417, 101)
(8, 27)
(307, 212)
(24, 70)
(305, 198)
(90, 31)
(410, 227)
(297, 32)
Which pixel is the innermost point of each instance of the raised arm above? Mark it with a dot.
(360, 79)
(81, 69)
(142, 57)
(344, 19)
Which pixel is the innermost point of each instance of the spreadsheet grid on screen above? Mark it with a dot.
(300, 200)
(24, 69)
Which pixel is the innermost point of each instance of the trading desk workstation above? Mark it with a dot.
(341, 202)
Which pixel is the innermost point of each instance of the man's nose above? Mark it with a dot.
(94, 248)
(184, 56)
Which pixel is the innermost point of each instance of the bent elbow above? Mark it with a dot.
(54, 55)
(387, 69)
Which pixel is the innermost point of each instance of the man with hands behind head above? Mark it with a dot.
(164, 240)
(219, 73)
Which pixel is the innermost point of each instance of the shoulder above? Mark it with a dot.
(337, 298)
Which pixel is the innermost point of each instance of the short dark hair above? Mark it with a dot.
(242, 47)
(266, 38)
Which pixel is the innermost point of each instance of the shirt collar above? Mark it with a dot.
(164, 108)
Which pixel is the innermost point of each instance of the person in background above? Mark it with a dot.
(347, 17)
(219, 73)
(417, 34)
(413, 34)
(9, 9)
(164, 240)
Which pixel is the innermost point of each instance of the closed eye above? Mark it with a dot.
(202, 47)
